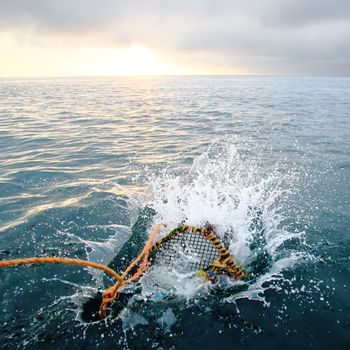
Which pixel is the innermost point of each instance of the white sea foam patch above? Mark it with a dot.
(245, 206)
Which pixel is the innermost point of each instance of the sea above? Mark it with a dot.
(89, 165)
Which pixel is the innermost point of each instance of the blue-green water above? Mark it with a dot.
(266, 159)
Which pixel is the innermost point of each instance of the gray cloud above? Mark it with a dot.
(271, 36)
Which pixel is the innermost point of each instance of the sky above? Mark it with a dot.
(171, 37)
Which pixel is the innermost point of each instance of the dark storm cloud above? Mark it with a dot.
(271, 36)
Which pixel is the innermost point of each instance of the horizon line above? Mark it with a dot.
(170, 75)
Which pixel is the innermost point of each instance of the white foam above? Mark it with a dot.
(228, 191)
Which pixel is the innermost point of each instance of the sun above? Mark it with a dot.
(58, 59)
(135, 60)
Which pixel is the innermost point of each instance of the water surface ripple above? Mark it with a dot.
(80, 158)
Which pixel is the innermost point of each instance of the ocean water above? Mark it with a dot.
(89, 165)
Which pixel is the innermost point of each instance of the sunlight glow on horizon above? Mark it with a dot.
(30, 59)
(134, 60)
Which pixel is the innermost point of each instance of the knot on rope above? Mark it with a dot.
(111, 293)
(108, 296)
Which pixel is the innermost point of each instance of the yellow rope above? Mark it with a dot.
(226, 261)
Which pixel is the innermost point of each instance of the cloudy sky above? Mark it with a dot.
(113, 37)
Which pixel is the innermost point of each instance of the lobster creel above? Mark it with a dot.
(201, 250)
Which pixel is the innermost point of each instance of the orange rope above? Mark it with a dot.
(55, 260)
(111, 293)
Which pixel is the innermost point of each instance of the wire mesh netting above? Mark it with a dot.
(186, 248)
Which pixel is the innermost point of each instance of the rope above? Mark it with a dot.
(224, 262)
(111, 293)
(55, 260)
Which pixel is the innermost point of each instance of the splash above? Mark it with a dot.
(246, 206)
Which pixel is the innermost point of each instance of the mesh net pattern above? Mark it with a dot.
(187, 248)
